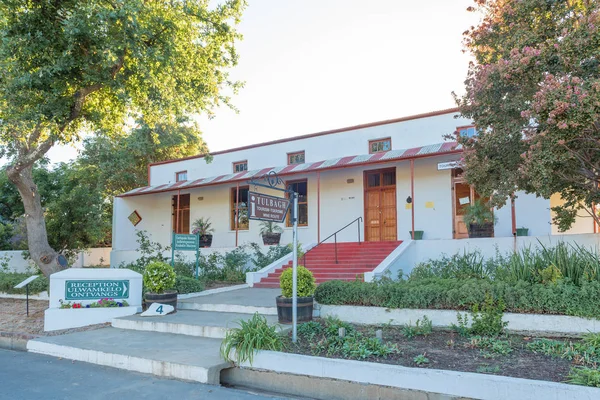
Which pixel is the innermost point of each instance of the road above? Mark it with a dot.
(28, 376)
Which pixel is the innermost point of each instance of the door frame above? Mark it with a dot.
(365, 189)
(454, 180)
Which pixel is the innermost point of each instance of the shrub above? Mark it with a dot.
(158, 277)
(184, 285)
(584, 376)
(488, 321)
(306, 282)
(563, 298)
(8, 280)
(274, 253)
(252, 335)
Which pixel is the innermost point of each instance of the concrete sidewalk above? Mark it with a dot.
(245, 301)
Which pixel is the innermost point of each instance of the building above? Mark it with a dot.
(393, 174)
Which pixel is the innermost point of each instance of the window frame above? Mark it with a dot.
(235, 164)
(459, 128)
(288, 219)
(185, 209)
(177, 176)
(232, 208)
(386, 139)
(289, 155)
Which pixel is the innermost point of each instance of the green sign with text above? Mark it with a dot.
(95, 290)
(185, 242)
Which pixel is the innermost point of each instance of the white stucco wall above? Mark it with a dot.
(407, 134)
(15, 262)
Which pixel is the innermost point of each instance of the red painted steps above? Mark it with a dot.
(353, 261)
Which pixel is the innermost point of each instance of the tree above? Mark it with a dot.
(97, 65)
(534, 94)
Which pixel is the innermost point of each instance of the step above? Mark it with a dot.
(242, 301)
(192, 323)
(163, 354)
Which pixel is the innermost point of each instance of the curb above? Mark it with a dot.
(15, 340)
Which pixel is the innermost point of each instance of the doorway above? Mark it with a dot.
(463, 195)
(380, 205)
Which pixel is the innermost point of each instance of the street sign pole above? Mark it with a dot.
(197, 252)
(295, 270)
(173, 249)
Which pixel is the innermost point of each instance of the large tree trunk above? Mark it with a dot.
(41, 252)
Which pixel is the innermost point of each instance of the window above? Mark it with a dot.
(181, 213)
(467, 131)
(379, 145)
(240, 166)
(296, 158)
(300, 187)
(181, 176)
(239, 208)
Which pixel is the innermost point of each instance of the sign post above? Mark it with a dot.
(271, 208)
(185, 242)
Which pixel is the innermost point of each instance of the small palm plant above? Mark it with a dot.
(270, 232)
(203, 226)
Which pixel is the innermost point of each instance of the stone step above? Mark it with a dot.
(242, 301)
(192, 323)
(162, 354)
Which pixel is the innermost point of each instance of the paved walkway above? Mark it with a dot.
(28, 376)
(244, 297)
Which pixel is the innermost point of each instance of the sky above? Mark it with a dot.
(314, 65)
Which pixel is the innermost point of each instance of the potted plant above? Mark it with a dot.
(480, 219)
(522, 231)
(159, 282)
(306, 286)
(203, 227)
(270, 232)
(418, 235)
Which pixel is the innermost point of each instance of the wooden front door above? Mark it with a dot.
(380, 205)
(463, 195)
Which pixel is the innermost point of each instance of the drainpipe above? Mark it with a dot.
(514, 220)
(318, 206)
(412, 196)
(237, 202)
(178, 211)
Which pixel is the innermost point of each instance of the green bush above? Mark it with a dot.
(8, 280)
(185, 284)
(487, 319)
(563, 298)
(252, 335)
(305, 283)
(158, 277)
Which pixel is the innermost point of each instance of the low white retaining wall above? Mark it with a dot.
(89, 257)
(548, 325)
(461, 384)
(56, 318)
(255, 277)
(417, 251)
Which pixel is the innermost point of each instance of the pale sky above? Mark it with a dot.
(314, 65)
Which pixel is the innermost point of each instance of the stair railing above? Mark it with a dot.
(334, 236)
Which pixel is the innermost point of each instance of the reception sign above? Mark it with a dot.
(96, 289)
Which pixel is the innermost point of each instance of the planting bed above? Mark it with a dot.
(512, 355)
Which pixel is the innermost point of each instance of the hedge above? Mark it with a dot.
(562, 298)
(186, 285)
(8, 280)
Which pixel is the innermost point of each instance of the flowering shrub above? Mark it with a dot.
(158, 277)
(102, 303)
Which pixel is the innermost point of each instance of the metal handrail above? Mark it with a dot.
(334, 236)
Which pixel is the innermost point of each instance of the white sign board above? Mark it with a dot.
(158, 310)
(26, 281)
(448, 165)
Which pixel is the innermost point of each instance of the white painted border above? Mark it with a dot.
(548, 325)
(461, 384)
(213, 291)
(390, 260)
(255, 277)
(64, 318)
(38, 296)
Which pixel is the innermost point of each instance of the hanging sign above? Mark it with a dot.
(448, 165)
(263, 207)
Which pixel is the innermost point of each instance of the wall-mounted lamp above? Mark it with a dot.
(350, 180)
(409, 200)
(200, 198)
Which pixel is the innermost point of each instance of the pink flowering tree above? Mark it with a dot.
(533, 91)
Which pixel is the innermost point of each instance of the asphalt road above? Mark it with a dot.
(28, 376)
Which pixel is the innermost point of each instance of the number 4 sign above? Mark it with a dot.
(157, 310)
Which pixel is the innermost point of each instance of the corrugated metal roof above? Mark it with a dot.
(392, 155)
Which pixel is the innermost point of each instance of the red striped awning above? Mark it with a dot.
(341, 162)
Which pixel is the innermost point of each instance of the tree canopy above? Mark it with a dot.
(534, 95)
(74, 66)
